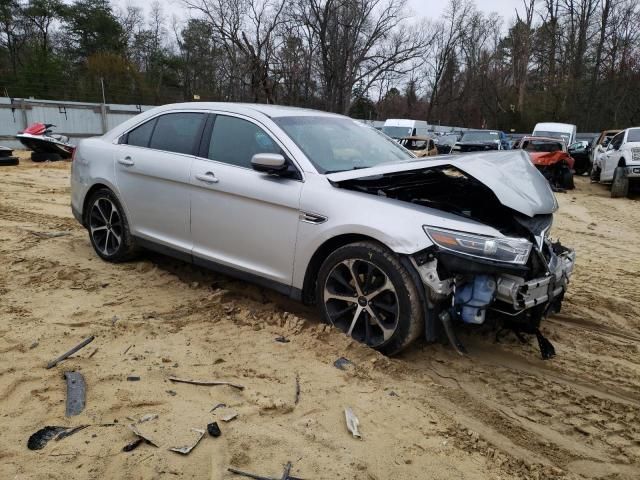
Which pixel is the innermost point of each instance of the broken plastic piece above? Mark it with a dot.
(76, 391)
(214, 429)
(219, 405)
(547, 349)
(38, 440)
(206, 382)
(342, 363)
(133, 378)
(282, 339)
(69, 432)
(187, 448)
(445, 318)
(285, 475)
(352, 422)
(230, 415)
(66, 355)
(133, 445)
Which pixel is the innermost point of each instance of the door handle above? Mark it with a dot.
(208, 177)
(126, 161)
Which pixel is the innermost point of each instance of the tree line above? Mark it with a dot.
(556, 60)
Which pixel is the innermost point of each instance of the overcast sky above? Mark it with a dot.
(430, 9)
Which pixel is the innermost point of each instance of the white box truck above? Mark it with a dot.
(401, 128)
(565, 131)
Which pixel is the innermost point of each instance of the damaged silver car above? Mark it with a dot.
(331, 212)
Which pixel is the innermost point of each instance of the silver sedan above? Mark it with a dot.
(329, 211)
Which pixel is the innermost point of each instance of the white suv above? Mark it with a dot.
(620, 164)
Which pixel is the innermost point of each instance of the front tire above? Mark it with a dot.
(108, 227)
(366, 292)
(620, 183)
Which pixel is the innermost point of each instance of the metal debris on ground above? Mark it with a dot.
(352, 422)
(219, 405)
(206, 383)
(297, 389)
(66, 355)
(187, 448)
(342, 363)
(38, 440)
(76, 393)
(214, 429)
(286, 475)
(230, 415)
(137, 431)
(133, 378)
(282, 339)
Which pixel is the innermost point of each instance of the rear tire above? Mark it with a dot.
(108, 227)
(45, 156)
(366, 292)
(620, 184)
(9, 161)
(566, 179)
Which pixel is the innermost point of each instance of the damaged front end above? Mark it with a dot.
(512, 279)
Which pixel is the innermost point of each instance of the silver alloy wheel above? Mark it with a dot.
(105, 226)
(361, 301)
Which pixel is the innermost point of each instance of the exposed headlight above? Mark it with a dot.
(505, 249)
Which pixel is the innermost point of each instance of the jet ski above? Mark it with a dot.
(45, 144)
(6, 157)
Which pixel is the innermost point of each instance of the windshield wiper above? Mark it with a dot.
(327, 172)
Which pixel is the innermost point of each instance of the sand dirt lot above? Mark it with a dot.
(499, 413)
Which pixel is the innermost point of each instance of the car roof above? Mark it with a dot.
(238, 107)
(546, 139)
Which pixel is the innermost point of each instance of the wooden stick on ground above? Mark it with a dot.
(206, 383)
(64, 356)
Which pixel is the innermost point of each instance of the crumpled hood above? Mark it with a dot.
(509, 174)
(545, 159)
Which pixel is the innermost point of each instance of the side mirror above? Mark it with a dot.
(271, 163)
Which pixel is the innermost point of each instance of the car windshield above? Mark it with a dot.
(633, 135)
(397, 132)
(542, 146)
(561, 135)
(335, 144)
(484, 136)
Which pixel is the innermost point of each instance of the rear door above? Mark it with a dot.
(153, 167)
(240, 218)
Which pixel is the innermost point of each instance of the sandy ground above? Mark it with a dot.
(500, 413)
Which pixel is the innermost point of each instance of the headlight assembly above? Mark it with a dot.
(505, 249)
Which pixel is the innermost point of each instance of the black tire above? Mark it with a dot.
(620, 184)
(45, 156)
(566, 179)
(397, 308)
(582, 167)
(9, 161)
(108, 227)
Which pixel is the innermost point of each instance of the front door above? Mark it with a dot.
(153, 172)
(241, 218)
(612, 157)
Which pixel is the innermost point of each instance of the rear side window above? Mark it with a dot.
(141, 135)
(177, 132)
(235, 141)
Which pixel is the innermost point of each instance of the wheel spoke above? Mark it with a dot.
(105, 250)
(387, 307)
(104, 217)
(387, 286)
(335, 296)
(339, 277)
(386, 332)
(368, 278)
(117, 238)
(355, 320)
(339, 313)
(350, 263)
(98, 229)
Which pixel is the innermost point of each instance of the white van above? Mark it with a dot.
(401, 128)
(565, 131)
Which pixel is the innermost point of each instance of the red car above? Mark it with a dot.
(550, 156)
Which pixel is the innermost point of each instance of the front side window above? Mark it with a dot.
(616, 142)
(140, 136)
(235, 141)
(335, 144)
(177, 132)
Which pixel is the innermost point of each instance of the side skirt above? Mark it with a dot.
(219, 268)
